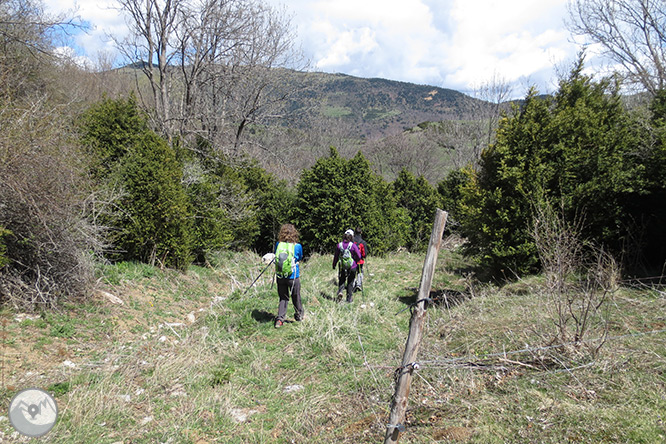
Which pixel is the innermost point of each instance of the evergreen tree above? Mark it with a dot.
(110, 128)
(420, 200)
(154, 223)
(450, 195)
(648, 210)
(338, 194)
(212, 229)
(275, 202)
(577, 150)
(150, 222)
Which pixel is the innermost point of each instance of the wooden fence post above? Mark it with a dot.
(404, 372)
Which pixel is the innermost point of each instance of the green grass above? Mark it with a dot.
(378, 114)
(145, 373)
(336, 111)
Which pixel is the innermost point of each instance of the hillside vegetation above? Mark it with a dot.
(194, 358)
(381, 107)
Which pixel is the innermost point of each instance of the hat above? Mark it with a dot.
(350, 232)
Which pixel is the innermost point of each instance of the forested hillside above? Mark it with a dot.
(378, 108)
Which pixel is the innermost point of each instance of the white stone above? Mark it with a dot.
(293, 388)
(241, 415)
(23, 316)
(110, 297)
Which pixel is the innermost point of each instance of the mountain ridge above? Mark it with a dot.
(377, 106)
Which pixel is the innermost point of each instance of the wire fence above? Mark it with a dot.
(433, 378)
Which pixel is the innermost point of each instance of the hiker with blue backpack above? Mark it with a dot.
(346, 257)
(288, 254)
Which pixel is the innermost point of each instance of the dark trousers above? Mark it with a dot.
(285, 287)
(346, 279)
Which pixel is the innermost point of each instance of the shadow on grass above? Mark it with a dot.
(443, 298)
(262, 316)
(329, 297)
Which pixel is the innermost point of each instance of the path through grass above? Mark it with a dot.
(191, 358)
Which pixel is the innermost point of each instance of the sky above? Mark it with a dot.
(456, 44)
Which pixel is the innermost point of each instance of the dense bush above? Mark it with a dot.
(420, 200)
(149, 221)
(576, 150)
(337, 194)
(46, 243)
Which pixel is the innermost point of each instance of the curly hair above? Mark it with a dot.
(288, 233)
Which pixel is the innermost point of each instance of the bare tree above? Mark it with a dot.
(580, 280)
(496, 91)
(417, 151)
(632, 34)
(211, 65)
(26, 51)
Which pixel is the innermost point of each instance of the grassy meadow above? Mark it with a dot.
(194, 358)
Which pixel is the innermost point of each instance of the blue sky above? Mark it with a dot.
(457, 44)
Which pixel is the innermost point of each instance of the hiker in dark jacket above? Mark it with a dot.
(347, 269)
(292, 283)
(363, 248)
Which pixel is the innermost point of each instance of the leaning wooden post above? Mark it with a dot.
(404, 372)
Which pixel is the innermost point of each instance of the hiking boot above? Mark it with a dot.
(278, 323)
(299, 317)
(340, 296)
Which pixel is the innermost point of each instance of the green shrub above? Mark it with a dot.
(338, 194)
(150, 220)
(4, 260)
(575, 150)
(154, 223)
(420, 200)
(450, 191)
(109, 129)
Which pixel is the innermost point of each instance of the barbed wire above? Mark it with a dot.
(440, 363)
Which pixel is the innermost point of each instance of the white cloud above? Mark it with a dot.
(517, 40)
(342, 46)
(455, 44)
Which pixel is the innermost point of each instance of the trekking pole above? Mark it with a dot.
(363, 284)
(262, 272)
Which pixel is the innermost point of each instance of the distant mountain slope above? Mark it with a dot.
(368, 107)
(378, 106)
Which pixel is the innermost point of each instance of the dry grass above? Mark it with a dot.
(144, 373)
